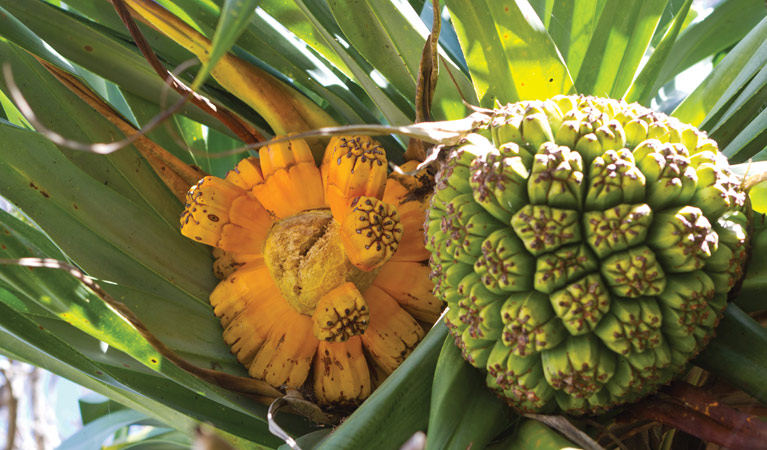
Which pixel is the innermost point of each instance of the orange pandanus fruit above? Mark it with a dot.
(324, 270)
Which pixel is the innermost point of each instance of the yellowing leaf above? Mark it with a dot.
(513, 60)
(286, 110)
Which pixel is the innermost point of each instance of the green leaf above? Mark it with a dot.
(21, 303)
(312, 21)
(182, 12)
(758, 196)
(725, 26)
(145, 371)
(642, 88)
(290, 59)
(618, 44)
(447, 37)
(94, 406)
(572, 28)
(219, 143)
(751, 141)
(309, 440)
(93, 435)
(667, 18)
(61, 111)
(109, 92)
(199, 341)
(154, 439)
(533, 435)
(90, 46)
(736, 353)
(108, 235)
(170, 53)
(734, 122)
(234, 18)
(151, 394)
(391, 37)
(514, 60)
(739, 105)
(740, 99)
(544, 9)
(169, 135)
(276, 45)
(282, 54)
(126, 377)
(464, 413)
(399, 407)
(61, 294)
(315, 28)
(747, 109)
(748, 56)
(751, 294)
(11, 113)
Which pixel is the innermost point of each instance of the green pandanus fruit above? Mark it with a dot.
(585, 248)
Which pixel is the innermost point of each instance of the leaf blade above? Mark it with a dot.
(235, 17)
(384, 31)
(624, 28)
(641, 89)
(703, 100)
(501, 69)
(93, 49)
(729, 22)
(573, 28)
(464, 413)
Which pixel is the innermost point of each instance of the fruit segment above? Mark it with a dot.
(341, 374)
(292, 182)
(352, 167)
(223, 215)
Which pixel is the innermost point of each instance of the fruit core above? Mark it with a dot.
(307, 259)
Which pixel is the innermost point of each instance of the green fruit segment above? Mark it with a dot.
(611, 135)
(480, 309)
(634, 273)
(636, 131)
(504, 265)
(507, 126)
(456, 172)
(651, 364)
(557, 177)
(465, 224)
(519, 379)
(626, 382)
(683, 239)
(582, 304)
(685, 304)
(586, 252)
(543, 228)
(632, 325)
(514, 150)
(579, 367)
(530, 324)
(617, 228)
(589, 147)
(536, 129)
(614, 179)
(499, 184)
(474, 350)
(671, 179)
(715, 187)
(554, 270)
